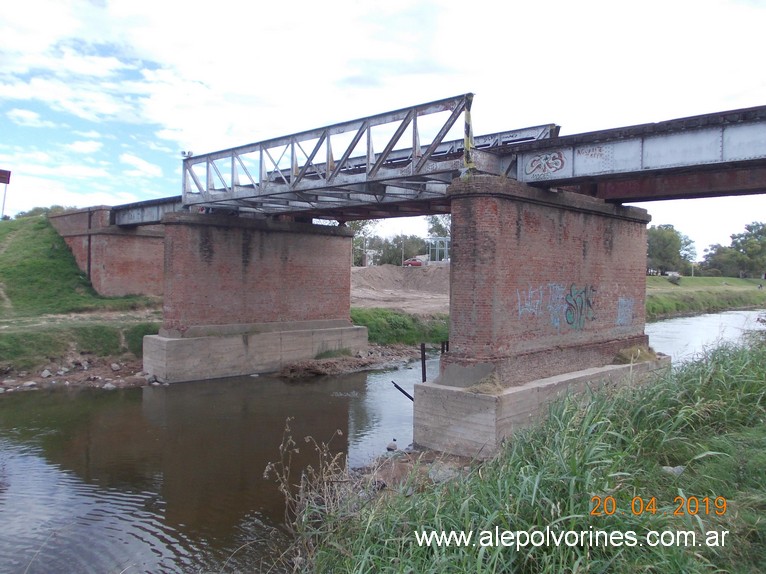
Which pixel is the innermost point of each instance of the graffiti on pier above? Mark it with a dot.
(556, 303)
(560, 304)
(625, 311)
(530, 301)
(543, 163)
(579, 306)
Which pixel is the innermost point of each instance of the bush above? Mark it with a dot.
(387, 327)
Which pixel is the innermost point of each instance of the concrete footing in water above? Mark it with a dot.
(245, 349)
(474, 421)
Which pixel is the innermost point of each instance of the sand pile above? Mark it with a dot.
(418, 290)
(428, 279)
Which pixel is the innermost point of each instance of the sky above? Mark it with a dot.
(99, 97)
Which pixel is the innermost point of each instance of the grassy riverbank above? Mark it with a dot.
(695, 295)
(594, 465)
(49, 310)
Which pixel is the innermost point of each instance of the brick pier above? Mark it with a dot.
(246, 296)
(543, 284)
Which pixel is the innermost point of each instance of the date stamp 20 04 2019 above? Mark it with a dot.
(682, 505)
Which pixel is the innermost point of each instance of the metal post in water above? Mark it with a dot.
(423, 360)
(405, 393)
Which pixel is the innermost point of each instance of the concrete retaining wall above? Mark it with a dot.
(459, 421)
(261, 350)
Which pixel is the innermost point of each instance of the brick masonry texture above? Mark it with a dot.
(224, 271)
(119, 261)
(542, 282)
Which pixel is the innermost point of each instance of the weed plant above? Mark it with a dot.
(707, 417)
(385, 326)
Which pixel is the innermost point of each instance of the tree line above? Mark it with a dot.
(397, 249)
(670, 250)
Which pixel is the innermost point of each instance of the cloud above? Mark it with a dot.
(84, 146)
(142, 168)
(27, 191)
(90, 134)
(29, 119)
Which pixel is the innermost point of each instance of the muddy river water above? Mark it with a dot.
(171, 479)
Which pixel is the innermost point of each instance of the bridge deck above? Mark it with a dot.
(722, 153)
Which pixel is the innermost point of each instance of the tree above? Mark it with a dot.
(439, 225)
(668, 249)
(396, 249)
(363, 229)
(746, 256)
(722, 261)
(752, 246)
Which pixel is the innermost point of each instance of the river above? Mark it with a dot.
(171, 479)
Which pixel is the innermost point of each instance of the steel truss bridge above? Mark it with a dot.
(335, 172)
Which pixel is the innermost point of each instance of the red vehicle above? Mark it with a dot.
(412, 262)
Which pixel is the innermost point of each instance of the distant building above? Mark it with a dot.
(438, 248)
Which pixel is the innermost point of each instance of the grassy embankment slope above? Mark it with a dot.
(41, 286)
(595, 464)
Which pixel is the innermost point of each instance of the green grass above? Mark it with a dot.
(334, 354)
(28, 348)
(41, 284)
(39, 275)
(387, 327)
(708, 416)
(695, 295)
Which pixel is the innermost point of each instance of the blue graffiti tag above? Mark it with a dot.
(625, 311)
(556, 303)
(530, 302)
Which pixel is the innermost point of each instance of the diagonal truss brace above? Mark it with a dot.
(219, 176)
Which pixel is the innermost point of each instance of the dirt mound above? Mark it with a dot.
(417, 290)
(426, 279)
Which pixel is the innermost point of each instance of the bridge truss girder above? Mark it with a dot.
(300, 173)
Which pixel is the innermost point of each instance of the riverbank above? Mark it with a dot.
(80, 349)
(681, 458)
(699, 295)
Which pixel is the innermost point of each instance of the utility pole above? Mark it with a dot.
(5, 179)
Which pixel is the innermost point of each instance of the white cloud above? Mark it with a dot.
(160, 77)
(142, 168)
(27, 191)
(84, 146)
(90, 134)
(28, 118)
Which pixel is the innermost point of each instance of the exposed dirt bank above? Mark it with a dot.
(376, 357)
(77, 371)
(414, 290)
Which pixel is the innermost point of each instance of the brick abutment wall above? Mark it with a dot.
(118, 261)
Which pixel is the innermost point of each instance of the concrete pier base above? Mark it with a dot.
(472, 422)
(245, 350)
